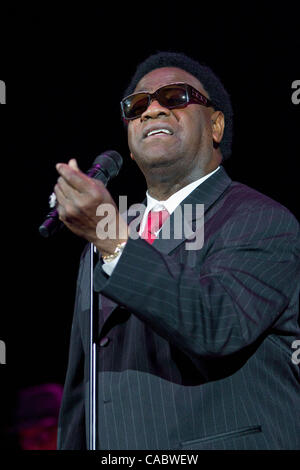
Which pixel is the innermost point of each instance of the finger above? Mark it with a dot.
(73, 164)
(68, 191)
(61, 203)
(60, 196)
(66, 210)
(74, 178)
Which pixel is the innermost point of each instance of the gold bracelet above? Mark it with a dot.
(118, 249)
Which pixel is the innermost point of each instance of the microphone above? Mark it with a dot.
(105, 167)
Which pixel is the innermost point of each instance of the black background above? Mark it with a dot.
(65, 72)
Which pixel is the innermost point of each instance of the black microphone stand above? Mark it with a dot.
(94, 309)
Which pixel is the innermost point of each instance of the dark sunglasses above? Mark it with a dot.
(174, 95)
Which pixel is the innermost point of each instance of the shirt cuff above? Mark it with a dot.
(109, 266)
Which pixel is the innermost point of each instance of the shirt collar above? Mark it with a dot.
(173, 201)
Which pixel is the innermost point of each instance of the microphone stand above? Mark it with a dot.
(92, 359)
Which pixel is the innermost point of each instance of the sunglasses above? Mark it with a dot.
(174, 95)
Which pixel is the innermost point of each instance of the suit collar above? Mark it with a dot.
(206, 193)
(175, 199)
(210, 190)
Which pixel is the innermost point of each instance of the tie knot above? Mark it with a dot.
(154, 222)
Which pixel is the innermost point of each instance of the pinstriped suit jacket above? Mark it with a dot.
(195, 347)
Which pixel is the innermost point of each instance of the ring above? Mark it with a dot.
(52, 200)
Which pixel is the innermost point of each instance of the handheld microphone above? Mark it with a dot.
(105, 167)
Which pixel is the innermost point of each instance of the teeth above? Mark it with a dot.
(158, 131)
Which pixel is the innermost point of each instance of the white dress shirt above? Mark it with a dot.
(154, 205)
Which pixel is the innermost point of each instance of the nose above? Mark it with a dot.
(154, 110)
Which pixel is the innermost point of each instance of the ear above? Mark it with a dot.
(132, 156)
(218, 125)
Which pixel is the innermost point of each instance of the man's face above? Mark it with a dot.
(188, 151)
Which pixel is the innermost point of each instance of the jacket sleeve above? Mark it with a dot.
(71, 426)
(242, 287)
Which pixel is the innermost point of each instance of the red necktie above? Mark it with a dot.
(153, 224)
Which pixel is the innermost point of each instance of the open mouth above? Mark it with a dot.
(158, 132)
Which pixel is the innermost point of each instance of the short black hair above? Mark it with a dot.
(211, 82)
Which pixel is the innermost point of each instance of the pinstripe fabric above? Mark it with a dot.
(199, 351)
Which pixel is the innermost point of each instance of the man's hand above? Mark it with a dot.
(78, 198)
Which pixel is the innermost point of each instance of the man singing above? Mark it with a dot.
(194, 347)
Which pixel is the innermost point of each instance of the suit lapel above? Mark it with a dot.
(207, 194)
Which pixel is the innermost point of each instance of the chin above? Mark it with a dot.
(159, 161)
(161, 156)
